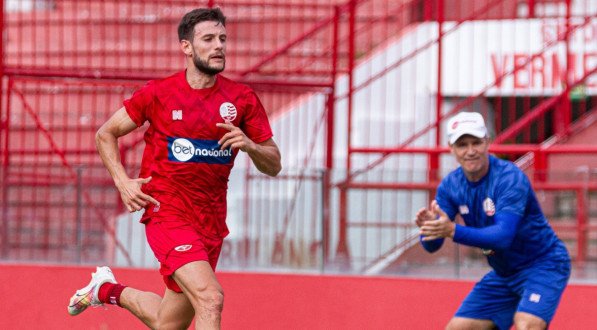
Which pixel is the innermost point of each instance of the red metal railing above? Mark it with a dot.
(354, 133)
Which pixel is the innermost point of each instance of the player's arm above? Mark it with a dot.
(265, 155)
(106, 140)
(497, 236)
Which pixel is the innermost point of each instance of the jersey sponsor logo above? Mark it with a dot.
(534, 297)
(181, 149)
(228, 111)
(183, 248)
(176, 114)
(489, 207)
(197, 151)
(463, 209)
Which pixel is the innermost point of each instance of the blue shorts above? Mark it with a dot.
(535, 290)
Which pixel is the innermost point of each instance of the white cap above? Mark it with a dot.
(464, 123)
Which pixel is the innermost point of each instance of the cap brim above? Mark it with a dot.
(457, 136)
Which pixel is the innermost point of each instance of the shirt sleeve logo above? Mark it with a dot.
(197, 151)
(228, 111)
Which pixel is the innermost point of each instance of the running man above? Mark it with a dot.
(199, 120)
(531, 265)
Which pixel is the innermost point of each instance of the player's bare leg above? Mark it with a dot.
(526, 321)
(463, 323)
(174, 311)
(198, 282)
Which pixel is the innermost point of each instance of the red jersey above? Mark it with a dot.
(189, 171)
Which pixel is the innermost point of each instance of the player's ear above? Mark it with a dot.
(186, 47)
(452, 151)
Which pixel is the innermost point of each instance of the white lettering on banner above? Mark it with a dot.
(538, 58)
(584, 33)
(546, 70)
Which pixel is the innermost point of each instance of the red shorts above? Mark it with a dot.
(176, 243)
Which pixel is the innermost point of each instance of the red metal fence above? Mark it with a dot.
(357, 93)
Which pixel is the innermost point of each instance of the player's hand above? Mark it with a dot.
(424, 214)
(132, 196)
(437, 228)
(235, 138)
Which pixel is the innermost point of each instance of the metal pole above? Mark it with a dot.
(325, 184)
(329, 161)
(5, 168)
(342, 254)
(3, 127)
(79, 214)
(433, 159)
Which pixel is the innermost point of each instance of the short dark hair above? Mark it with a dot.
(186, 28)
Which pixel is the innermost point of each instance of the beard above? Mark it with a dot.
(203, 67)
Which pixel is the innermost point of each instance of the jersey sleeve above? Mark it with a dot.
(442, 197)
(139, 104)
(497, 236)
(512, 192)
(255, 124)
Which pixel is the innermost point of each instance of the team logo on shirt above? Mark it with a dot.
(197, 151)
(228, 111)
(535, 297)
(176, 114)
(489, 207)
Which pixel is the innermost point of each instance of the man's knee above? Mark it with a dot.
(526, 321)
(180, 323)
(214, 298)
(211, 298)
(463, 323)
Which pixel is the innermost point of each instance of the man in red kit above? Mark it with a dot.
(199, 120)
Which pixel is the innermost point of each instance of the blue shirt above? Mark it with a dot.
(504, 191)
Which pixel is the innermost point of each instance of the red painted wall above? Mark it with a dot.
(36, 297)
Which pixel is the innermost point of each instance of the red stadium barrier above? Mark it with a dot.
(36, 297)
(357, 92)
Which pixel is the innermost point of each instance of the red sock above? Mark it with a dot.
(109, 293)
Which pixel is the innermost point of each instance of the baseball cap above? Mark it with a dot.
(470, 123)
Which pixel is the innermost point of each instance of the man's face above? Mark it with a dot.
(472, 153)
(208, 48)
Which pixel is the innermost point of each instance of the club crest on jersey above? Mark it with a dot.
(176, 114)
(489, 207)
(228, 111)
